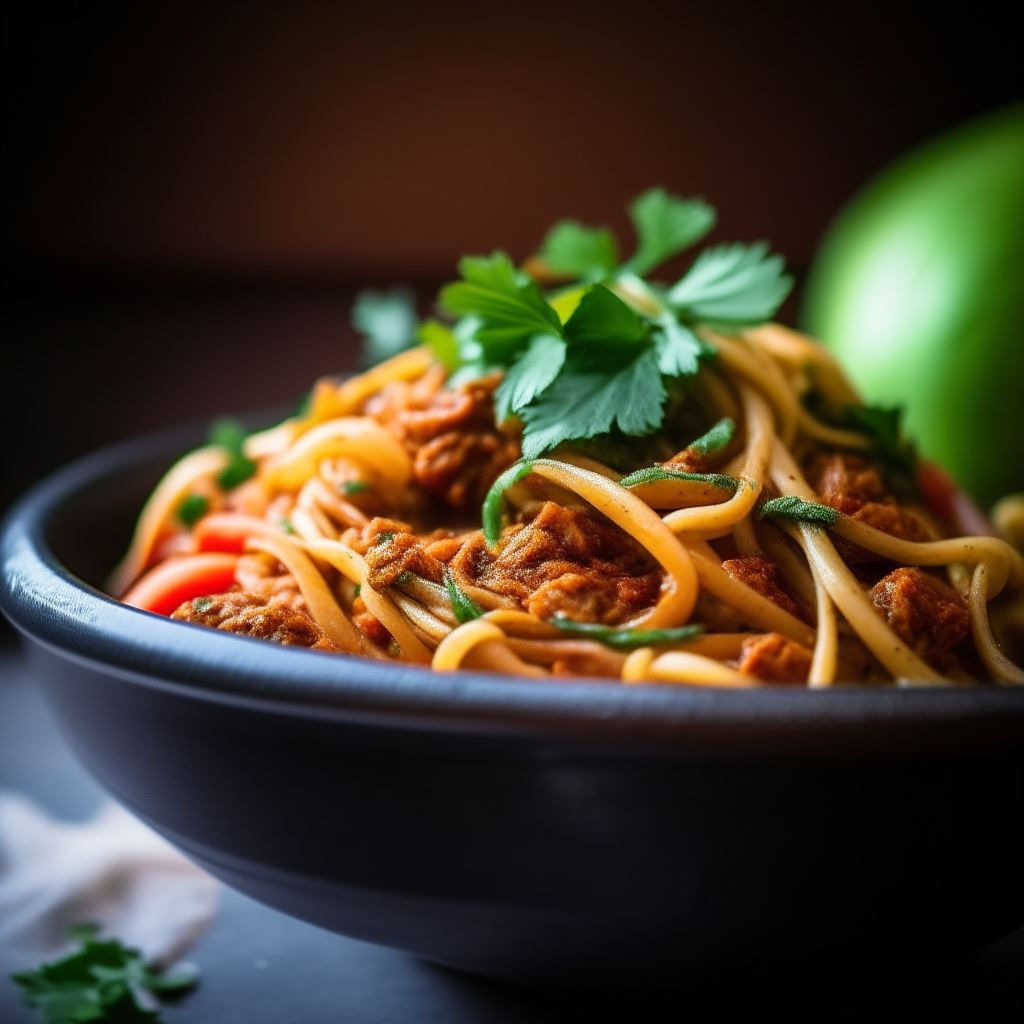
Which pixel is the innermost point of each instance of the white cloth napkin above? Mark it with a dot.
(111, 870)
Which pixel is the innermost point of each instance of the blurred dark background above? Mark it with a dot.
(194, 192)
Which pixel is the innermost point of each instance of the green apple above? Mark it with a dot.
(919, 289)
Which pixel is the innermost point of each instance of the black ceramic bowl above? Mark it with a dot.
(564, 832)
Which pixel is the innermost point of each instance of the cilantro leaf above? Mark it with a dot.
(615, 637)
(529, 375)
(465, 608)
(717, 438)
(387, 321)
(441, 341)
(509, 305)
(230, 434)
(584, 401)
(652, 474)
(882, 427)
(192, 509)
(666, 225)
(679, 349)
(602, 321)
(572, 248)
(494, 503)
(736, 282)
(101, 981)
(796, 509)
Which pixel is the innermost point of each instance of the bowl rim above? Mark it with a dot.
(69, 617)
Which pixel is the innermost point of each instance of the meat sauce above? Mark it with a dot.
(558, 560)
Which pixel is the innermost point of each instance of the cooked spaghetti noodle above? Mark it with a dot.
(359, 533)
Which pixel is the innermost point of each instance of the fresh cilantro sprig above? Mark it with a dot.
(100, 981)
(231, 435)
(797, 510)
(465, 608)
(595, 359)
(616, 637)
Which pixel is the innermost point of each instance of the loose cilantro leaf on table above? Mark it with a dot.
(796, 509)
(465, 608)
(387, 321)
(230, 434)
(101, 981)
(617, 637)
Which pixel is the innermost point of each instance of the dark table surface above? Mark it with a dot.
(261, 967)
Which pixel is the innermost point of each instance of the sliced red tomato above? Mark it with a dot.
(180, 579)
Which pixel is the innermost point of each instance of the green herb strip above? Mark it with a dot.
(286, 525)
(652, 474)
(717, 438)
(384, 537)
(201, 604)
(465, 608)
(494, 503)
(613, 637)
(229, 434)
(101, 981)
(354, 486)
(798, 510)
(192, 509)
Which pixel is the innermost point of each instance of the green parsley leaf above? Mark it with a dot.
(387, 321)
(286, 525)
(441, 341)
(666, 225)
(384, 536)
(603, 323)
(354, 486)
(494, 503)
(201, 604)
(101, 981)
(614, 637)
(888, 445)
(652, 474)
(572, 248)
(358, 590)
(508, 304)
(717, 438)
(231, 434)
(678, 348)
(529, 375)
(737, 283)
(583, 402)
(192, 509)
(465, 608)
(800, 511)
